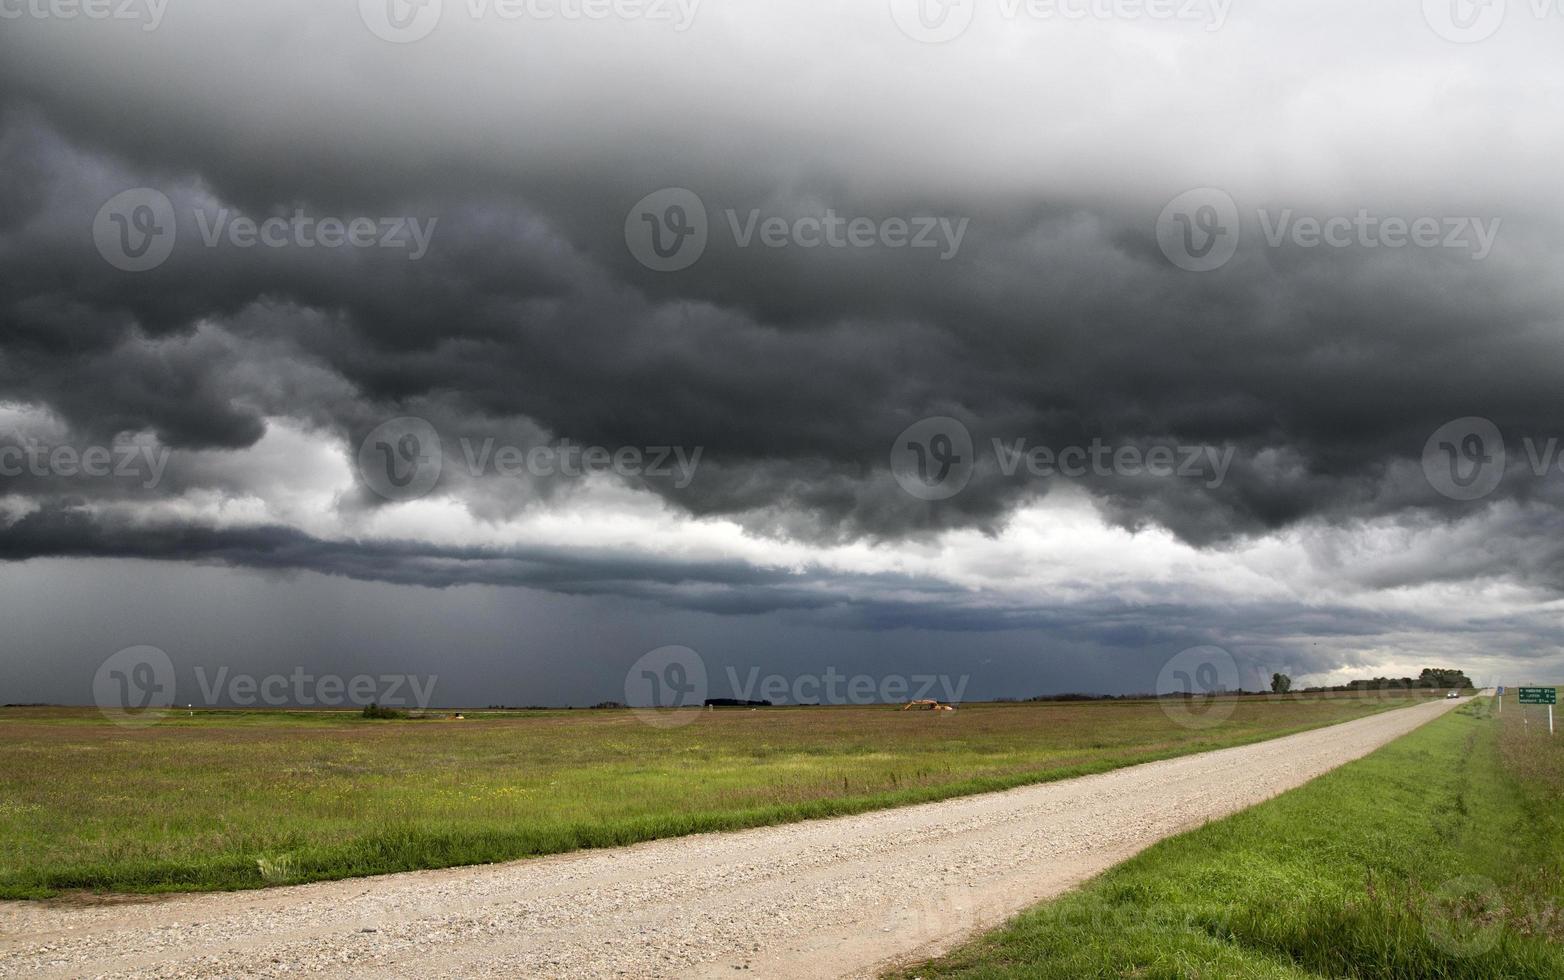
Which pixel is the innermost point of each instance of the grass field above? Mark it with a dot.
(1441, 855)
(239, 800)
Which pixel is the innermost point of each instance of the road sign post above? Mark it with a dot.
(1541, 695)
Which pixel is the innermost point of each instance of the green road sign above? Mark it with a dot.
(1539, 695)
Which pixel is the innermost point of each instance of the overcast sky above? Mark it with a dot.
(1023, 344)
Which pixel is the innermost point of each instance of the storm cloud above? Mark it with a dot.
(974, 232)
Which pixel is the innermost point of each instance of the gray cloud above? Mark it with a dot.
(1059, 320)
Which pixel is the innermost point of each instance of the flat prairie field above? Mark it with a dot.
(244, 799)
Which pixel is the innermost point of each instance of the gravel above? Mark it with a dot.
(841, 897)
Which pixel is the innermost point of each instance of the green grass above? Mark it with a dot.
(238, 799)
(1439, 856)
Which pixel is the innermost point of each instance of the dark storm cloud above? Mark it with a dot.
(716, 586)
(1263, 631)
(725, 587)
(1058, 321)
(796, 371)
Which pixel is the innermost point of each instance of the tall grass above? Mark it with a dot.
(201, 802)
(1437, 856)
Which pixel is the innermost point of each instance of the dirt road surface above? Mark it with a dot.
(838, 897)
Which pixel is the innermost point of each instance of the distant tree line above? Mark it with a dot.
(1430, 678)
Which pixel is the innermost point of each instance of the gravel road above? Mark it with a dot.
(837, 897)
